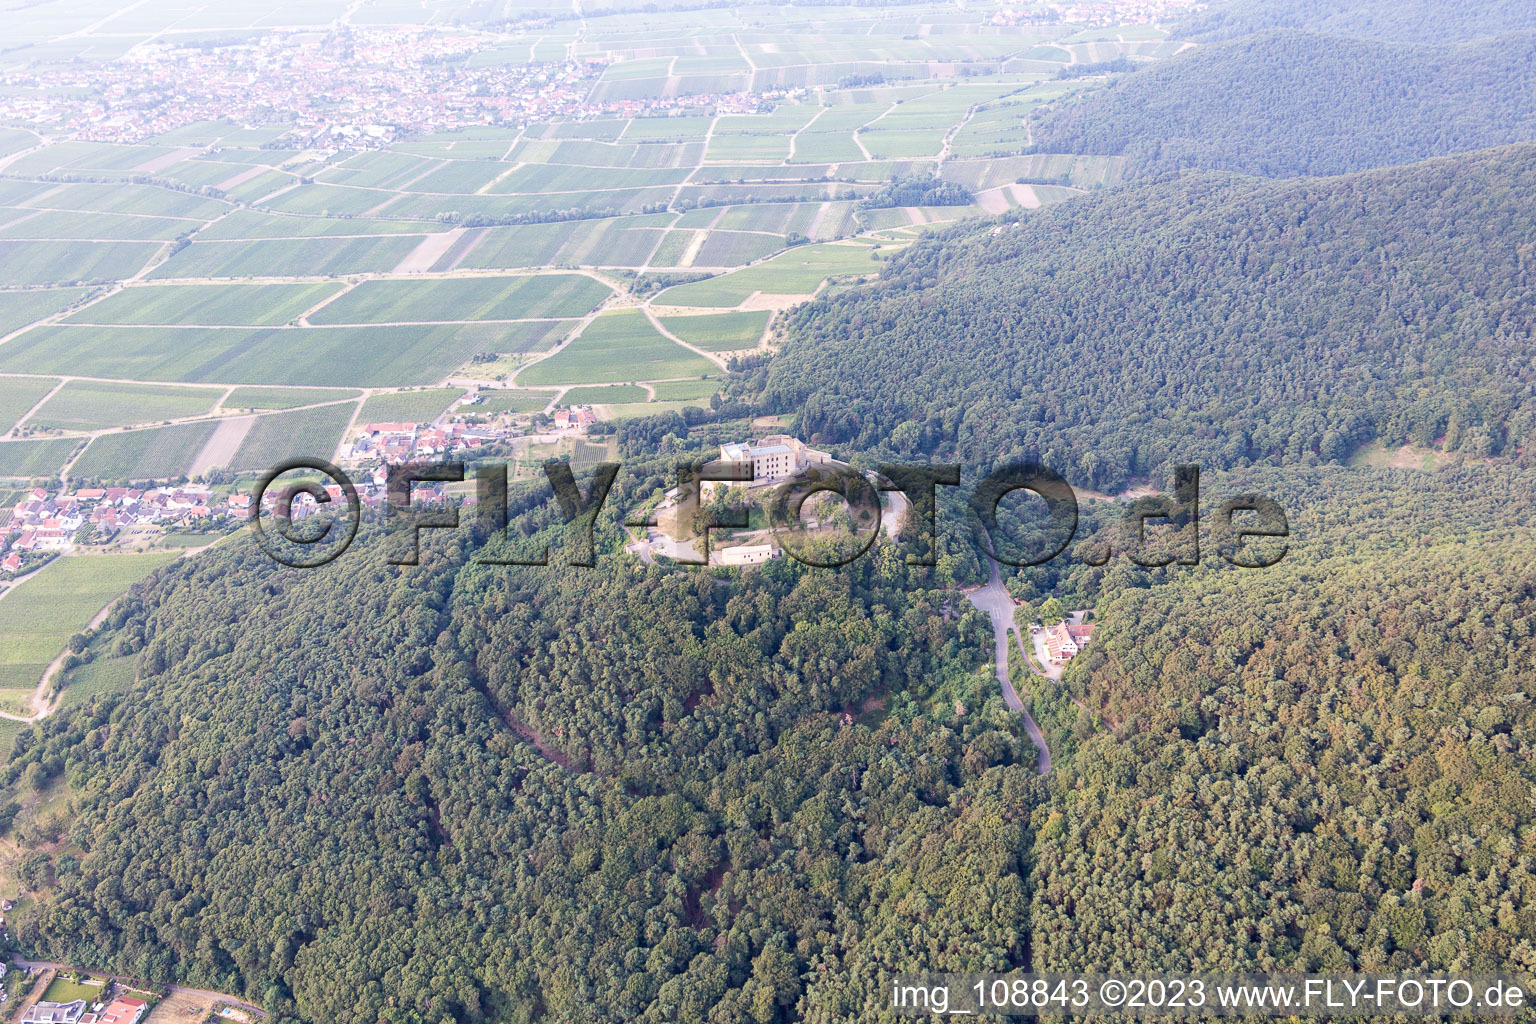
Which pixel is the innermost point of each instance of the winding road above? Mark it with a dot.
(996, 602)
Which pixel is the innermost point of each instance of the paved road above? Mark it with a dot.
(996, 602)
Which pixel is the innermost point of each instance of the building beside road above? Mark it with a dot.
(745, 554)
(43, 1012)
(122, 1010)
(1064, 640)
(774, 457)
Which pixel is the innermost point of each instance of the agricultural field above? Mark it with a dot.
(380, 356)
(253, 224)
(124, 198)
(98, 677)
(510, 401)
(157, 453)
(284, 398)
(736, 248)
(685, 390)
(616, 242)
(550, 296)
(18, 309)
(408, 406)
(799, 271)
(631, 410)
(720, 332)
(38, 616)
(32, 262)
(97, 405)
(24, 459)
(205, 305)
(18, 394)
(298, 274)
(617, 346)
(606, 395)
(280, 257)
(304, 432)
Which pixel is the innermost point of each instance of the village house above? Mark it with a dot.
(122, 1010)
(1064, 640)
(577, 417)
(43, 1012)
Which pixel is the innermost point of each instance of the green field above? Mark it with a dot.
(636, 409)
(799, 271)
(606, 395)
(619, 346)
(375, 169)
(408, 406)
(35, 458)
(685, 390)
(825, 147)
(18, 394)
(62, 225)
(673, 248)
(284, 398)
(38, 616)
(98, 677)
(470, 298)
(35, 263)
(285, 435)
(381, 356)
(735, 248)
(18, 309)
(282, 257)
(510, 401)
(720, 332)
(62, 990)
(154, 454)
(460, 176)
(255, 224)
(140, 200)
(620, 242)
(96, 405)
(325, 200)
(211, 305)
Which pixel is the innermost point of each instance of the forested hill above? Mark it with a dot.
(1288, 103)
(1414, 21)
(455, 794)
(486, 794)
(1211, 318)
(1325, 767)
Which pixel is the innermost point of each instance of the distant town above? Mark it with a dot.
(365, 88)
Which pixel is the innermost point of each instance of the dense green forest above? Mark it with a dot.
(1210, 319)
(1322, 766)
(1411, 21)
(1286, 103)
(458, 792)
(464, 793)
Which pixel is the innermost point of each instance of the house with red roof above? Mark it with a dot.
(1064, 640)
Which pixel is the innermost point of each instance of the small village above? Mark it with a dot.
(54, 519)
